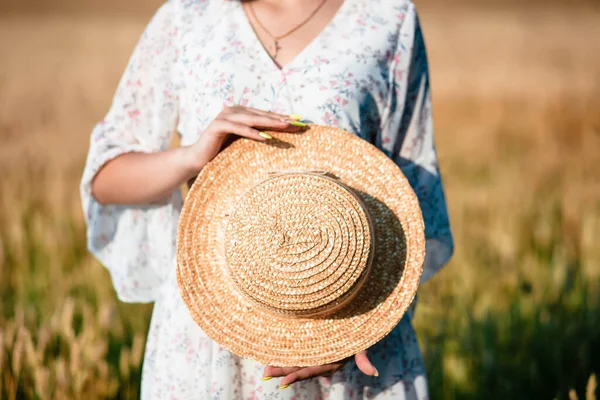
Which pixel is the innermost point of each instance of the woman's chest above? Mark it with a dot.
(341, 78)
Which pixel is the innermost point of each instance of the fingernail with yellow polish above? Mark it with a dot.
(266, 378)
(297, 123)
(284, 386)
(295, 117)
(376, 372)
(265, 135)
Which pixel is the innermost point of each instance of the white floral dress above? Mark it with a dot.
(366, 72)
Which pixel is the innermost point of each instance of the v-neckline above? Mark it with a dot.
(256, 42)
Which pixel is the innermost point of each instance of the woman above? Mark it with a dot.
(217, 69)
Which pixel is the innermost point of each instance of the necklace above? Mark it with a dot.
(275, 49)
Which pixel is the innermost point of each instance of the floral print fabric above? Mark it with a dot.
(366, 72)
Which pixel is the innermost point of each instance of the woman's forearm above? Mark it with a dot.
(141, 178)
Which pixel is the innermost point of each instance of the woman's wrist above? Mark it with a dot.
(192, 162)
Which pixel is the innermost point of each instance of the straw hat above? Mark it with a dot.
(302, 251)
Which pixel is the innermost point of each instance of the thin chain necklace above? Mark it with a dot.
(275, 51)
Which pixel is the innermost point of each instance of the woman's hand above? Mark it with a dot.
(240, 121)
(143, 178)
(295, 374)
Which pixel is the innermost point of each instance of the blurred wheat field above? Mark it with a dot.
(516, 315)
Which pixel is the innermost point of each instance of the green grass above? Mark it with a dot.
(540, 339)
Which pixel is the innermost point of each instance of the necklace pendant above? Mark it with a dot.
(275, 48)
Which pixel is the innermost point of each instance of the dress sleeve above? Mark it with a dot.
(410, 127)
(136, 243)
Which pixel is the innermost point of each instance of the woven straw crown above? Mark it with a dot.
(302, 252)
(299, 244)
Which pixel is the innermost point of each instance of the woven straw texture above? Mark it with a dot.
(291, 268)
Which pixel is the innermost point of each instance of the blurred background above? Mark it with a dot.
(516, 90)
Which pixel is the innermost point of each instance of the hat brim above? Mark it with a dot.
(235, 323)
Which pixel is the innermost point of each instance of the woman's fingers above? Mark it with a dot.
(262, 122)
(255, 111)
(250, 123)
(299, 374)
(274, 372)
(293, 120)
(309, 372)
(269, 113)
(224, 127)
(363, 363)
